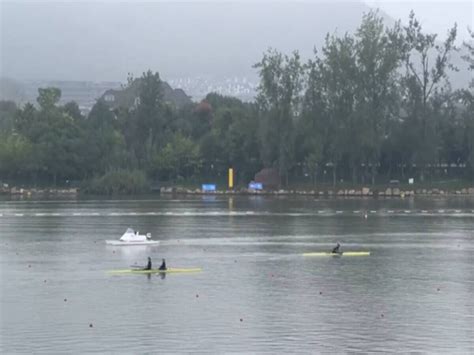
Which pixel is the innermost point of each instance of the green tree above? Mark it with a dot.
(313, 125)
(48, 97)
(55, 136)
(379, 52)
(179, 159)
(424, 78)
(149, 115)
(17, 156)
(232, 139)
(467, 97)
(72, 109)
(338, 75)
(278, 103)
(104, 144)
(25, 120)
(8, 110)
(447, 115)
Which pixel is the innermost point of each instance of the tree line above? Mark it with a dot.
(370, 106)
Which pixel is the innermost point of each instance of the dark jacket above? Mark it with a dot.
(148, 266)
(163, 266)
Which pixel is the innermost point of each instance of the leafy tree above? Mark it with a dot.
(149, 117)
(338, 73)
(59, 142)
(55, 137)
(104, 146)
(25, 120)
(278, 102)
(313, 126)
(232, 138)
(17, 156)
(469, 57)
(48, 97)
(201, 119)
(72, 109)
(180, 158)
(423, 79)
(467, 97)
(8, 110)
(379, 53)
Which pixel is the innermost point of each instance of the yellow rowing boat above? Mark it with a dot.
(346, 253)
(154, 271)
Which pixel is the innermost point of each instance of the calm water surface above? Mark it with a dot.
(256, 293)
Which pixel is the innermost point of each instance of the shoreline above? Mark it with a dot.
(390, 192)
(352, 192)
(37, 192)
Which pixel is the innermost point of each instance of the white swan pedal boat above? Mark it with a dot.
(130, 237)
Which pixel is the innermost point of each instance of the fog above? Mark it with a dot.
(73, 40)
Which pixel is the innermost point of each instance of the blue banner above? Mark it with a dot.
(256, 186)
(208, 187)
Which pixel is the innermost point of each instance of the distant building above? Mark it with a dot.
(128, 97)
(84, 93)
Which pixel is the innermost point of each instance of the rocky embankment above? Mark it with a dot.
(15, 191)
(362, 192)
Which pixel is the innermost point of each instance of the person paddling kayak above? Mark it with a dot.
(163, 265)
(148, 266)
(335, 250)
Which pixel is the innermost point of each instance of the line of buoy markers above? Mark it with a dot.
(244, 213)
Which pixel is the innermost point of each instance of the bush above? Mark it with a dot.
(118, 182)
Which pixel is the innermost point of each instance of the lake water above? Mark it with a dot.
(256, 292)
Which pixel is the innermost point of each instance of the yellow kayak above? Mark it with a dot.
(154, 271)
(345, 253)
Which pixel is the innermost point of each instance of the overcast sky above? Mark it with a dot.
(104, 40)
(436, 16)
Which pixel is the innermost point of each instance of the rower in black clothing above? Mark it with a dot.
(148, 266)
(163, 265)
(336, 249)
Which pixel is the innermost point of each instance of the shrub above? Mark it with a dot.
(118, 182)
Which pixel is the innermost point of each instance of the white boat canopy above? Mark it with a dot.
(131, 236)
